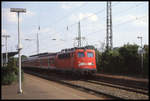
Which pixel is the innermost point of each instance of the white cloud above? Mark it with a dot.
(123, 18)
(9, 16)
(143, 22)
(12, 16)
(93, 18)
(29, 13)
(45, 30)
(68, 6)
(80, 16)
(134, 20)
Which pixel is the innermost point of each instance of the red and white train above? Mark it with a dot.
(79, 60)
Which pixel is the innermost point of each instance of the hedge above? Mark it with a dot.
(9, 73)
(123, 60)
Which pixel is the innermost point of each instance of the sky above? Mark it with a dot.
(58, 23)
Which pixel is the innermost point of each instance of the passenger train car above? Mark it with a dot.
(78, 60)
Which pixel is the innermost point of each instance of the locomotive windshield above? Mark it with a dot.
(80, 54)
(90, 54)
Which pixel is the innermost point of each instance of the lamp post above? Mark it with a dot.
(37, 43)
(2, 56)
(6, 36)
(19, 10)
(141, 55)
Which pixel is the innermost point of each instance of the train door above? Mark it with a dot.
(48, 62)
(72, 60)
(39, 62)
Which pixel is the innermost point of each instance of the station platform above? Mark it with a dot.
(37, 88)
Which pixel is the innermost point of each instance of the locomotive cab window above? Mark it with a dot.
(90, 54)
(80, 54)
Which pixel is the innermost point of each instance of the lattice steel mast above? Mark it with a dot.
(79, 35)
(109, 35)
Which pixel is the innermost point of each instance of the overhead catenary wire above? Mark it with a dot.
(120, 24)
(86, 18)
(114, 25)
(131, 7)
(75, 9)
(136, 18)
(93, 14)
(124, 10)
(65, 16)
(68, 26)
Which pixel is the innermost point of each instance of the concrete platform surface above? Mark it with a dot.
(37, 88)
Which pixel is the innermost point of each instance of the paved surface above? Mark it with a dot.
(38, 88)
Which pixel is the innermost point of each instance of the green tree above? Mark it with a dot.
(146, 60)
(23, 57)
(124, 60)
(110, 61)
(98, 59)
(131, 59)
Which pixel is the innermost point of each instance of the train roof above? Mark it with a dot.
(62, 51)
(75, 48)
(43, 54)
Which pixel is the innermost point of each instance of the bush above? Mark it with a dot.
(123, 60)
(8, 78)
(146, 61)
(98, 59)
(131, 60)
(110, 62)
(9, 73)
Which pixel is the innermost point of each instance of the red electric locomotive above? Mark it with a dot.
(79, 60)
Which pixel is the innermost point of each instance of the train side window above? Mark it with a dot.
(81, 54)
(51, 61)
(90, 54)
(65, 55)
(68, 55)
(72, 55)
(60, 56)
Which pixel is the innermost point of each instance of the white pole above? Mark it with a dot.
(142, 56)
(37, 43)
(6, 36)
(2, 57)
(18, 10)
(19, 55)
(6, 52)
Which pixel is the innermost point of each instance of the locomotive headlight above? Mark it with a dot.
(81, 64)
(90, 63)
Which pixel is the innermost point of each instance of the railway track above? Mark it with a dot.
(125, 82)
(111, 91)
(120, 87)
(130, 85)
